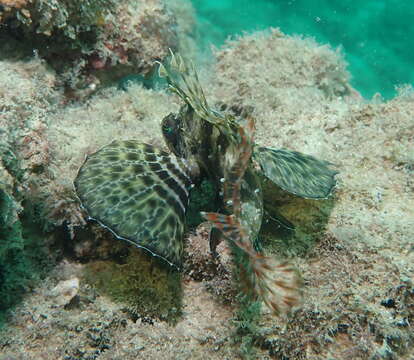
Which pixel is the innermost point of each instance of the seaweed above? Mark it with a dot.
(23, 255)
(148, 287)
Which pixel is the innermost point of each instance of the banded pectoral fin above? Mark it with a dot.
(139, 193)
(275, 218)
(300, 174)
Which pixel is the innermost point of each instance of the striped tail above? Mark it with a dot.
(277, 283)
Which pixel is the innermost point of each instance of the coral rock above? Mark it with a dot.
(65, 291)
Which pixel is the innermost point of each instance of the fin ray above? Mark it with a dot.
(139, 193)
(300, 174)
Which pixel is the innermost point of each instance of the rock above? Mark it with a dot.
(65, 291)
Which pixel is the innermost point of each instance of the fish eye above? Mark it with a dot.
(167, 129)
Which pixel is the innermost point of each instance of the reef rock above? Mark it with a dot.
(356, 257)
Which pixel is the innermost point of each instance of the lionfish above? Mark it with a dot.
(141, 193)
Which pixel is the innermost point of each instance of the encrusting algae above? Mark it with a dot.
(141, 194)
(354, 250)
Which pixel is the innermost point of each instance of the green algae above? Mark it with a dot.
(302, 226)
(145, 285)
(202, 198)
(246, 324)
(23, 256)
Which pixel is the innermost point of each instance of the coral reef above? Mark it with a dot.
(98, 328)
(96, 41)
(26, 97)
(356, 257)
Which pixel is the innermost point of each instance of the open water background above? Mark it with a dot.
(377, 36)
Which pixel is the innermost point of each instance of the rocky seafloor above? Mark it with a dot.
(69, 290)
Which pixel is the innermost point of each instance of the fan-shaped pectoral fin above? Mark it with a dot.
(300, 174)
(139, 193)
(280, 221)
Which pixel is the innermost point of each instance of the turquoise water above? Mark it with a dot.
(377, 36)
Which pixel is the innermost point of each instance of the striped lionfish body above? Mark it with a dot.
(141, 193)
